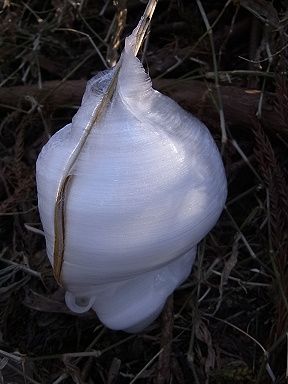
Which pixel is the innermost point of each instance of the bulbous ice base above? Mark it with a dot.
(133, 304)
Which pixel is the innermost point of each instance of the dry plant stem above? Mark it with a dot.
(267, 17)
(246, 160)
(261, 370)
(91, 41)
(215, 65)
(25, 377)
(223, 45)
(63, 187)
(146, 367)
(22, 267)
(164, 362)
(196, 299)
(120, 21)
(91, 29)
(192, 49)
(114, 371)
(270, 58)
(250, 250)
(79, 358)
(61, 198)
(255, 36)
(79, 355)
(265, 352)
(277, 212)
(142, 27)
(67, 76)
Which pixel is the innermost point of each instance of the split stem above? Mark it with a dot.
(97, 114)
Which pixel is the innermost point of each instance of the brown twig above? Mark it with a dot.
(114, 371)
(240, 104)
(164, 363)
(119, 22)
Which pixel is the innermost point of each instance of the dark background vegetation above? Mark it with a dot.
(228, 322)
